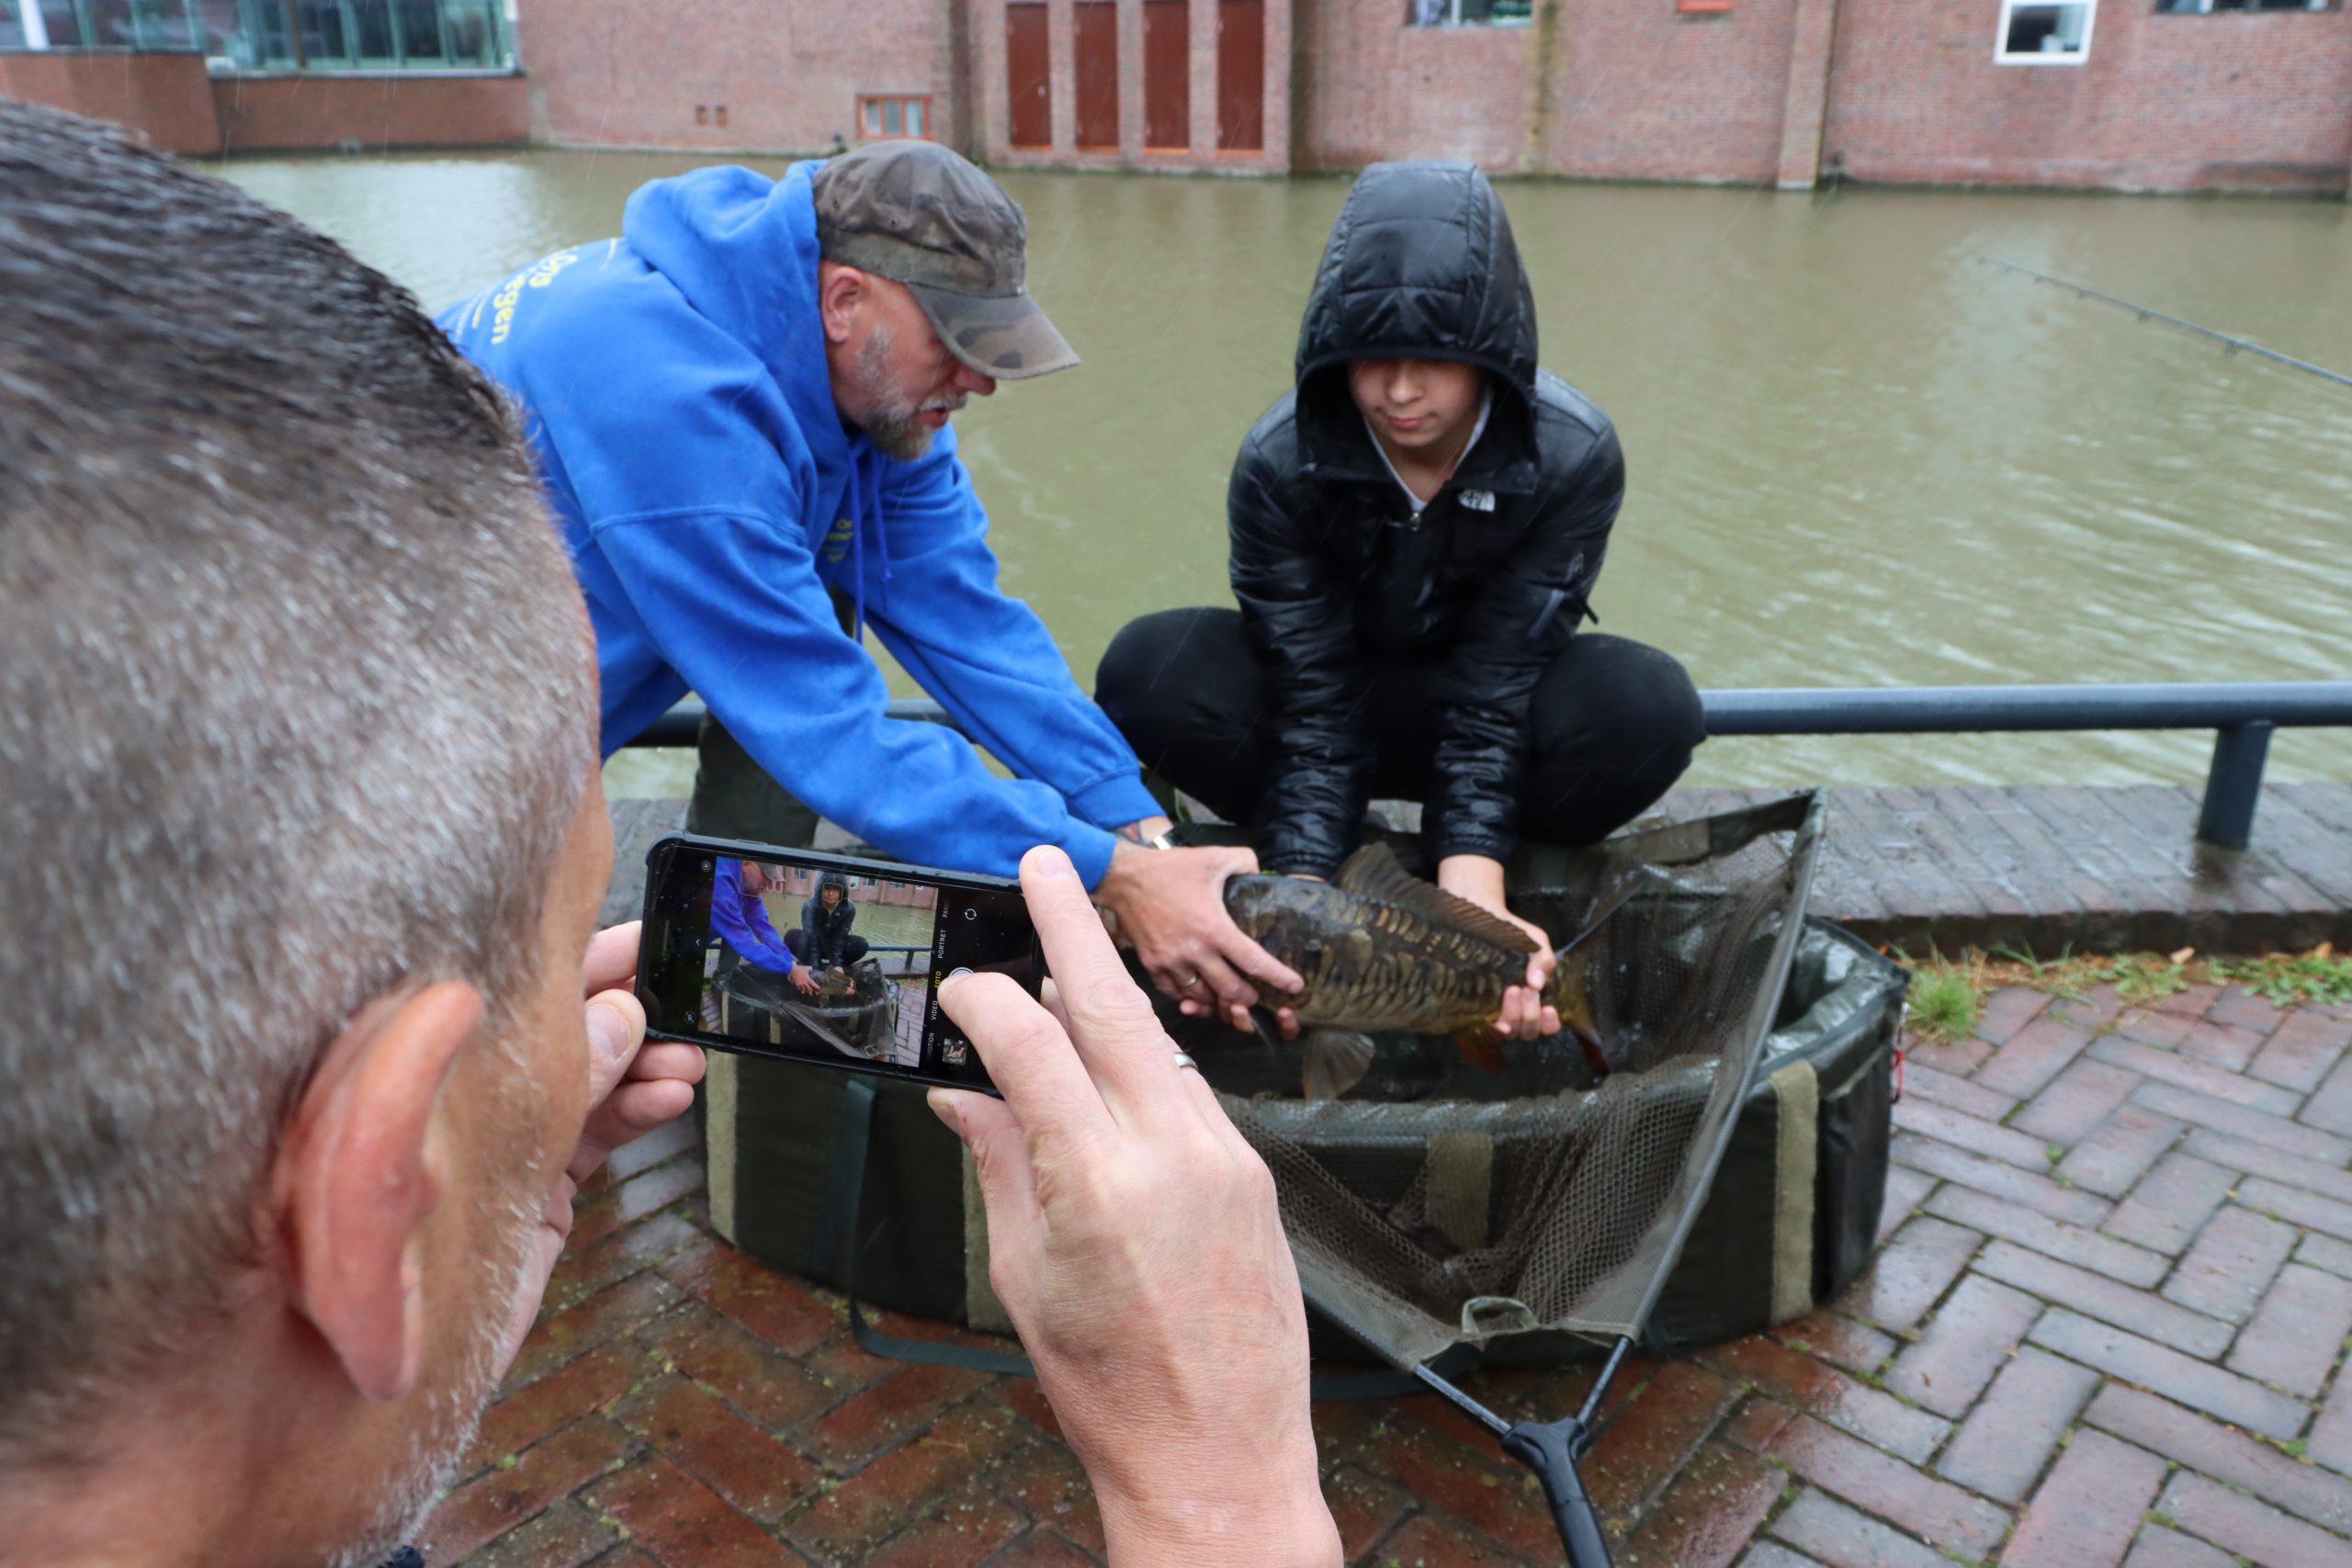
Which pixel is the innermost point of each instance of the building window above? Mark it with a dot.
(880, 118)
(1468, 12)
(2040, 32)
(357, 35)
(2207, 7)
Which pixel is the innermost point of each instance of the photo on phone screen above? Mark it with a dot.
(823, 958)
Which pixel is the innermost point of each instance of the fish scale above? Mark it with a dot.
(1379, 950)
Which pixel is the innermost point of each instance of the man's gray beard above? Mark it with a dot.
(453, 1414)
(893, 422)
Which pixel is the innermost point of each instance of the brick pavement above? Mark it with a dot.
(2104, 1329)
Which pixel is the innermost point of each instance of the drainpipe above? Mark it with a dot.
(294, 37)
(1805, 108)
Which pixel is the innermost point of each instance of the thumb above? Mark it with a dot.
(999, 1159)
(616, 1029)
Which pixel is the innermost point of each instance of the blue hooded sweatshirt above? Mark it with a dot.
(741, 920)
(674, 385)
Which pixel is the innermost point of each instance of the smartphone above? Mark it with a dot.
(823, 958)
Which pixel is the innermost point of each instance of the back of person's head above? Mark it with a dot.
(279, 609)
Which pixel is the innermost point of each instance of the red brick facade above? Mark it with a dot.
(171, 101)
(2237, 100)
(1766, 91)
(730, 76)
(164, 98)
(372, 110)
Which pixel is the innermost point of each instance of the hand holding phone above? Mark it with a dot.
(1134, 1238)
(822, 958)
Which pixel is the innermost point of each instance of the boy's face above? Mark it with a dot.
(1416, 404)
(833, 896)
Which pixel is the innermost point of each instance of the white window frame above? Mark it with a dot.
(2001, 55)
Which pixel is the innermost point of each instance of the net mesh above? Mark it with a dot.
(1438, 1204)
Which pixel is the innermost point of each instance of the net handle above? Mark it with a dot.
(1551, 1449)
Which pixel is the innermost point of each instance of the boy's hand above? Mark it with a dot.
(1479, 879)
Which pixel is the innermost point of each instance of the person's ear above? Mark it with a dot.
(358, 1174)
(842, 295)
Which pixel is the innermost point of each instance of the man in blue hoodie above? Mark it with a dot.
(740, 409)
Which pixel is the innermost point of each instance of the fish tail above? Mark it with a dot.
(1564, 991)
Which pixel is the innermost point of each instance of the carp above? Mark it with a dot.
(1380, 948)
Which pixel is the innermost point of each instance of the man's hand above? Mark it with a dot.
(1170, 905)
(1133, 1237)
(802, 980)
(633, 1087)
(1479, 879)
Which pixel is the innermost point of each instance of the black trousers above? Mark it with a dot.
(1612, 727)
(797, 939)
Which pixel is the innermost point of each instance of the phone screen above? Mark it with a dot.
(823, 958)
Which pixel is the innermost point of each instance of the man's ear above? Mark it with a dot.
(842, 293)
(358, 1175)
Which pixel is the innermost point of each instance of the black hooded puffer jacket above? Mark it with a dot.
(828, 928)
(1336, 574)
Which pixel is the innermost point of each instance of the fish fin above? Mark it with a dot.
(1482, 1047)
(1263, 1020)
(1594, 1056)
(1336, 1063)
(1374, 872)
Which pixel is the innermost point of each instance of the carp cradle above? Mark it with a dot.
(1727, 1174)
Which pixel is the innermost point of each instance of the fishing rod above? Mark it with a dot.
(2145, 313)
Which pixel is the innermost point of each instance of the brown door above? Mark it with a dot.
(1029, 75)
(1098, 73)
(1167, 76)
(1241, 75)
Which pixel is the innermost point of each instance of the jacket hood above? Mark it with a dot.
(832, 879)
(1420, 264)
(741, 248)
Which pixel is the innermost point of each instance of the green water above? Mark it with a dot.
(1858, 454)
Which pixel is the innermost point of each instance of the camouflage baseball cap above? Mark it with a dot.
(918, 214)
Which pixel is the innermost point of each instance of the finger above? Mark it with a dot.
(611, 961)
(1230, 989)
(1251, 959)
(1001, 1164)
(1551, 1024)
(627, 1114)
(683, 1063)
(1111, 1021)
(1029, 1057)
(615, 1030)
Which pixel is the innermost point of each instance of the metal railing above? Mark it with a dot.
(2242, 714)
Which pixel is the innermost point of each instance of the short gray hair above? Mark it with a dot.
(295, 706)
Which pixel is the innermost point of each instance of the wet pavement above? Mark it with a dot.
(2104, 1328)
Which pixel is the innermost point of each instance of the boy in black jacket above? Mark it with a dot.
(1416, 528)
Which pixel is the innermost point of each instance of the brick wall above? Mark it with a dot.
(164, 97)
(1376, 88)
(377, 111)
(1654, 94)
(730, 76)
(2239, 100)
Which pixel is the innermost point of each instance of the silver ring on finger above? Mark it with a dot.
(1184, 1059)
